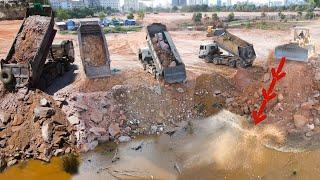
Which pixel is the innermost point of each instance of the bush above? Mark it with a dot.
(130, 16)
(101, 15)
(309, 15)
(141, 15)
(230, 17)
(70, 163)
(215, 17)
(197, 17)
(62, 14)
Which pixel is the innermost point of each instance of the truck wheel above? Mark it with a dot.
(233, 64)
(215, 61)
(207, 60)
(6, 76)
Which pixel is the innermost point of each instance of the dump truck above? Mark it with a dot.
(301, 48)
(58, 62)
(161, 57)
(227, 49)
(25, 61)
(93, 50)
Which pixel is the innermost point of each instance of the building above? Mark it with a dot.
(179, 2)
(67, 4)
(197, 2)
(131, 5)
(219, 3)
(114, 4)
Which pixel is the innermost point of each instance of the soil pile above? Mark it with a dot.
(163, 51)
(30, 38)
(94, 50)
(32, 125)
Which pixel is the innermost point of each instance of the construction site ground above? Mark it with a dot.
(136, 104)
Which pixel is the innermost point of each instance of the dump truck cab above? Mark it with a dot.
(145, 57)
(207, 48)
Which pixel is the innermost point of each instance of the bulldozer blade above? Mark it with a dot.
(292, 52)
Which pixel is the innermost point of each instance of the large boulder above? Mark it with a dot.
(43, 112)
(46, 131)
(4, 117)
(299, 120)
(114, 129)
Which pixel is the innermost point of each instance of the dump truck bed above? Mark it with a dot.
(176, 74)
(28, 70)
(234, 45)
(93, 50)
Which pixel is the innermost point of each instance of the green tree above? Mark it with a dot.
(62, 14)
(230, 17)
(130, 16)
(101, 15)
(197, 17)
(175, 8)
(141, 15)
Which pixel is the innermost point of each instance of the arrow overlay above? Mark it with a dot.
(268, 95)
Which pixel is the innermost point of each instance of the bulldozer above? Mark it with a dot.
(300, 48)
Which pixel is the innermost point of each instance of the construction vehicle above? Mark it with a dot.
(93, 50)
(300, 48)
(18, 75)
(58, 62)
(153, 57)
(240, 52)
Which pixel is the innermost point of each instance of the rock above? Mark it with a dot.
(114, 129)
(68, 150)
(317, 122)
(46, 132)
(280, 97)
(103, 139)
(58, 152)
(96, 117)
(17, 120)
(217, 92)
(310, 126)
(43, 112)
(309, 134)
(73, 120)
(180, 90)
(307, 105)
(3, 164)
(256, 95)
(157, 89)
(229, 100)
(317, 75)
(44, 102)
(12, 162)
(123, 139)
(90, 146)
(299, 120)
(98, 130)
(3, 143)
(43, 157)
(5, 117)
(266, 77)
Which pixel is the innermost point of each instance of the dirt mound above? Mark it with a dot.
(32, 125)
(30, 38)
(94, 50)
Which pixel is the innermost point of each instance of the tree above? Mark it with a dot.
(130, 16)
(230, 17)
(175, 8)
(62, 14)
(101, 16)
(215, 17)
(141, 15)
(197, 17)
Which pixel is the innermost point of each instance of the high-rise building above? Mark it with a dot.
(114, 4)
(219, 3)
(179, 2)
(197, 2)
(131, 5)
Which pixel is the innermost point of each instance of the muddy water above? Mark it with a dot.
(214, 148)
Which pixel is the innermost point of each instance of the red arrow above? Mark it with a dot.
(269, 95)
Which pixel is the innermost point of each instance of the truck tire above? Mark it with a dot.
(207, 59)
(233, 64)
(6, 76)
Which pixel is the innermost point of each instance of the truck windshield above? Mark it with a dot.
(201, 47)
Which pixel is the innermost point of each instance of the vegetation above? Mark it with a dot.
(63, 14)
(102, 15)
(122, 29)
(70, 163)
(230, 17)
(130, 16)
(141, 15)
(196, 18)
